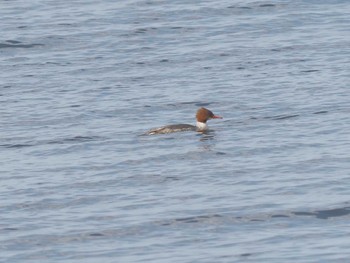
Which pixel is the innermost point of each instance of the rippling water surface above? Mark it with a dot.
(80, 81)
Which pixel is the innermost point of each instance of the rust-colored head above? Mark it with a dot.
(204, 114)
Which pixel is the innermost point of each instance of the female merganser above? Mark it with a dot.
(202, 116)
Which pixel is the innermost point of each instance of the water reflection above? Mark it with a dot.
(207, 141)
(206, 136)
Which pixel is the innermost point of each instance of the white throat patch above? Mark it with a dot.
(201, 126)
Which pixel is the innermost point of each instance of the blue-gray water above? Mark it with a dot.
(81, 80)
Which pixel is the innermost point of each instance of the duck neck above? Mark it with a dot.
(201, 126)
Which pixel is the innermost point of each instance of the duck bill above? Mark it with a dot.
(217, 117)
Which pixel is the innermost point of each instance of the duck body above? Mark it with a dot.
(202, 116)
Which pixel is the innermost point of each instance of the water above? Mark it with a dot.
(80, 81)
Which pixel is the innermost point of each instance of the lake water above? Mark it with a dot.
(80, 81)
